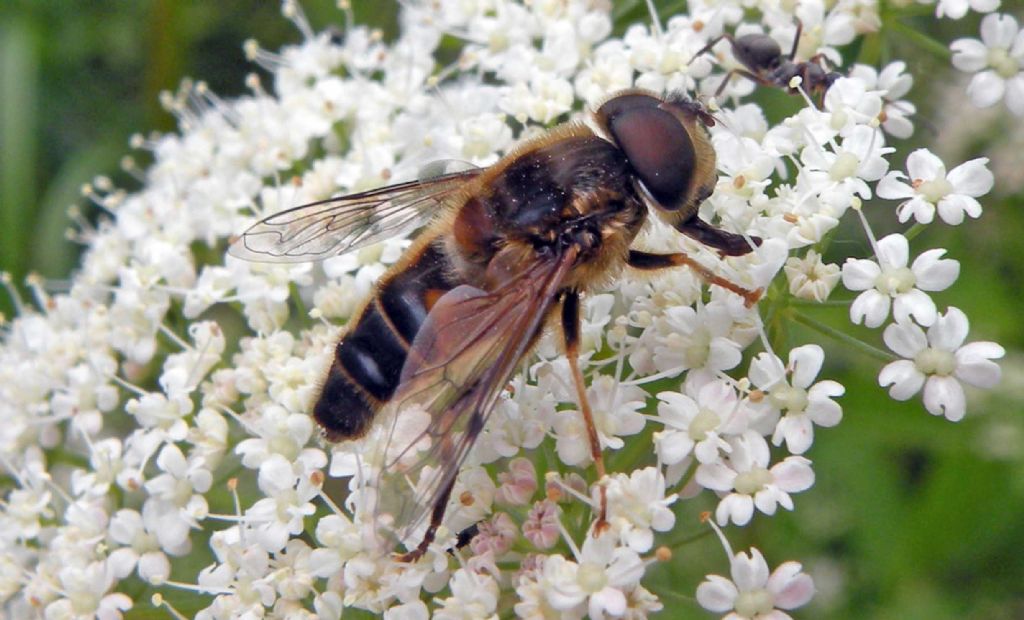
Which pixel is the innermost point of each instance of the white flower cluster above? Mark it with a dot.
(135, 429)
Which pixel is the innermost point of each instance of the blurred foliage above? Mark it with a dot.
(911, 517)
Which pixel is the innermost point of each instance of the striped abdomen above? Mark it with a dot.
(368, 360)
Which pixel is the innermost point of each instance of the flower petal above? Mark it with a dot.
(717, 594)
(985, 89)
(870, 308)
(792, 587)
(924, 165)
(972, 177)
(860, 274)
(974, 365)
(806, 362)
(749, 571)
(953, 207)
(969, 55)
(904, 377)
(998, 30)
(934, 273)
(905, 339)
(944, 396)
(914, 303)
(893, 250)
(950, 330)
(892, 187)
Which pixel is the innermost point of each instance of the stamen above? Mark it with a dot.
(655, 20)
(292, 10)
(158, 601)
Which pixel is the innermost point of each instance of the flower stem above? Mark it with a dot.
(914, 231)
(934, 46)
(859, 345)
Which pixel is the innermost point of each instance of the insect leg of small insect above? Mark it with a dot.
(503, 251)
(764, 64)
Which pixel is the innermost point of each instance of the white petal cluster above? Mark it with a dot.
(752, 593)
(997, 62)
(159, 408)
(939, 361)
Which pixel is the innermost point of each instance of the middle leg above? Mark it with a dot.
(648, 261)
(571, 332)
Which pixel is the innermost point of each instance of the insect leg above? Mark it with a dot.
(725, 81)
(727, 243)
(648, 261)
(435, 522)
(796, 38)
(571, 331)
(712, 43)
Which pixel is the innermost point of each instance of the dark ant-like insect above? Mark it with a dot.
(765, 64)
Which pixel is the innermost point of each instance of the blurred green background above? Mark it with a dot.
(911, 517)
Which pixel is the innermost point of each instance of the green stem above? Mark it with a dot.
(845, 338)
(677, 544)
(691, 471)
(936, 47)
(840, 303)
(296, 298)
(672, 594)
(914, 231)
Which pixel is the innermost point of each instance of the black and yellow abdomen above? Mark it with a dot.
(369, 358)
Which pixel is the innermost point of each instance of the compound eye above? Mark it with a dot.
(757, 51)
(656, 144)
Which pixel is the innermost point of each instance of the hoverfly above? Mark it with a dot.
(505, 249)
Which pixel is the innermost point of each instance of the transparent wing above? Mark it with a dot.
(337, 225)
(462, 357)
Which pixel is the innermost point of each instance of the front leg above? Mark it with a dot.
(648, 262)
(727, 243)
(571, 332)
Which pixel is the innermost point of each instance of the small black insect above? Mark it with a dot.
(765, 64)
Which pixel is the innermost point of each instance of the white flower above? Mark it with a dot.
(842, 173)
(955, 9)
(616, 412)
(850, 104)
(754, 594)
(167, 413)
(290, 570)
(890, 281)
(939, 361)
(286, 503)
(746, 482)
(893, 83)
(416, 610)
(543, 99)
(127, 527)
(598, 582)
(85, 591)
(177, 500)
(810, 278)
(687, 338)
(700, 425)
(931, 188)
(279, 432)
(474, 595)
(637, 506)
(999, 57)
(801, 404)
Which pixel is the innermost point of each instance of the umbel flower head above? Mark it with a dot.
(137, 432)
